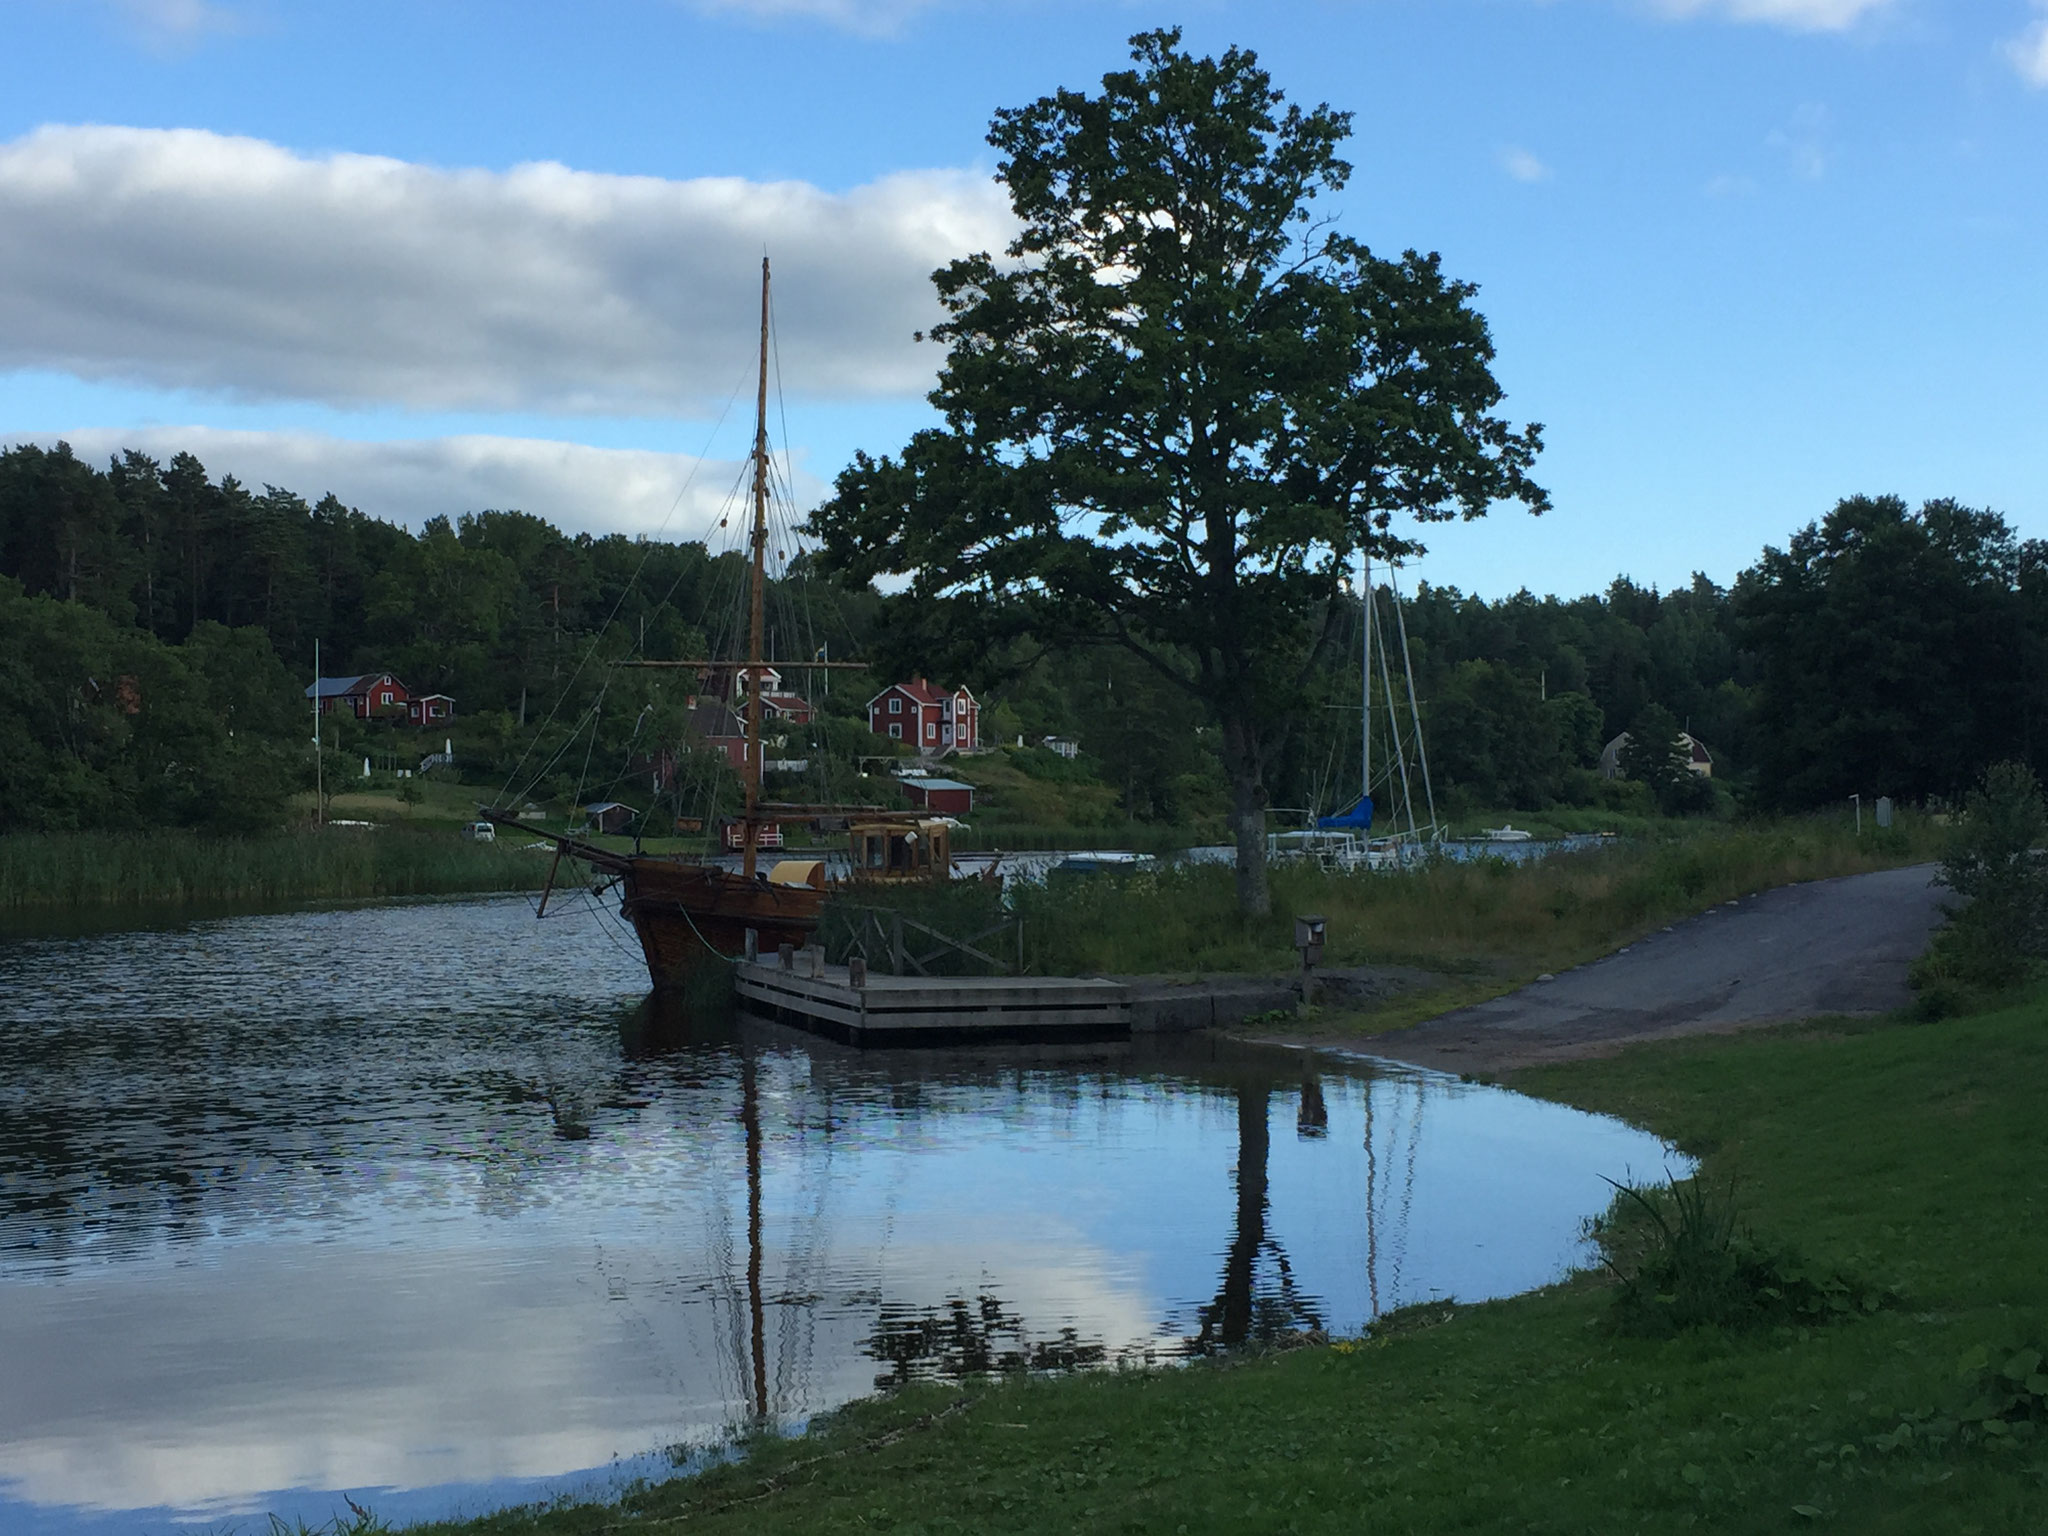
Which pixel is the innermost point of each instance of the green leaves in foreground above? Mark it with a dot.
(1686, 1260)
(2011, 1397)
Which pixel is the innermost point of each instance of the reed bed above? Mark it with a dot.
(84, 870)
(1484, 916)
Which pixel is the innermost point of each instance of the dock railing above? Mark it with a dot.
(891, 941)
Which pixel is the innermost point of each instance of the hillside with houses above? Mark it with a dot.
(163, 629)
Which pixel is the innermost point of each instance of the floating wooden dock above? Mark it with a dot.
(932, 1010)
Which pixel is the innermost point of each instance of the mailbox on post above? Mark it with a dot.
(1308, 938)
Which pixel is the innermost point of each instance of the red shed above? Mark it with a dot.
(942, 797)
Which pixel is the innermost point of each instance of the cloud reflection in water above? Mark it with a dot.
(283, 1207)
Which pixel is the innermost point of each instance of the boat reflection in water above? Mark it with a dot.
(335, 1202)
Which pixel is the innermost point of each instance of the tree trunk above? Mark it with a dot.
(1240, 1262)
(1247, 817)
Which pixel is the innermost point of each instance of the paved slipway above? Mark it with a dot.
(1828, 946)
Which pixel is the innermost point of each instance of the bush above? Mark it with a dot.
(1991, 862)
(1685, 1260)
(1626, 795)
(1049, 766)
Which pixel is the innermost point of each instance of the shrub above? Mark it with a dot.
(1685, 1260)
(1991, 862)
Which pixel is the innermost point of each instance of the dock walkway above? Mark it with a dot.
(932, 1010)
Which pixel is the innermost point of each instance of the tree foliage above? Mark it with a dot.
(103, 725)
(1994, 863)
(1657, 756)
(210, 598)
(1178, 405)
(1893, 651)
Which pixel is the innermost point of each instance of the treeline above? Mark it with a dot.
(491, 607)
(160, 626)
(157, 630)
(1884, 650)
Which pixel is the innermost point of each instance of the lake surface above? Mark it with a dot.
(425, 1204)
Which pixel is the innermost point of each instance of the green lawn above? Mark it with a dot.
(1913, 1155)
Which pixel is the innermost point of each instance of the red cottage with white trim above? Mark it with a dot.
(932, 720)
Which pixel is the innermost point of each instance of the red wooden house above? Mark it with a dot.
(429, 708)
(790, 708)
(381, 696)
(932, 720)
(721, 730)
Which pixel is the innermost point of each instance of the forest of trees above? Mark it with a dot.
(157, 630)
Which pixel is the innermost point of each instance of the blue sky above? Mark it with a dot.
(1741, 257)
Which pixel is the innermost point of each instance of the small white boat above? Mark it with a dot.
(1504, 834)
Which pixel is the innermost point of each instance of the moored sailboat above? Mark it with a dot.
(686, 911)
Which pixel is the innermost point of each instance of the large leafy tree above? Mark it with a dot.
(1177, 406)
(1893, 648)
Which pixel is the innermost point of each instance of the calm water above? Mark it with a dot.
(423, 1204)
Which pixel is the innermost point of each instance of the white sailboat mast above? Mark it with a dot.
(1414, 707)
(1365, 677)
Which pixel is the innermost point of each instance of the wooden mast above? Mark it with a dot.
(756, 638)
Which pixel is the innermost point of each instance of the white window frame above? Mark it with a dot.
(896, 730)
(895, 706)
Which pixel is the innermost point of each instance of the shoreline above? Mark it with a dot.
(1840, 1141)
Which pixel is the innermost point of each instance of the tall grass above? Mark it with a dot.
(82, 870)
(1486, 915)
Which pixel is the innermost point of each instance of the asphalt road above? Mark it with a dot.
(1829, 946)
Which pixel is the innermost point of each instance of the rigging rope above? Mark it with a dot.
(647, 553)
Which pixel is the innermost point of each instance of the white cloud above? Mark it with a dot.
(1522, 165)
(2029, 51)
(174, 25)
(188, 259)
(1795, 15)
(1805, 141)
(577, 488)
(873, 18)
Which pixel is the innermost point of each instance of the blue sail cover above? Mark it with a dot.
(1357, 819)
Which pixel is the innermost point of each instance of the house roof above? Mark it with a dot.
(919, 690)
(1695, 748)
(601, 806)
(340, 687)
(920, 782)
(714, 722)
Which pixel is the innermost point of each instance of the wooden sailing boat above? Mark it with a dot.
(687, 911)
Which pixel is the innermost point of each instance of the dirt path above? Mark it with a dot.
(1829, 946)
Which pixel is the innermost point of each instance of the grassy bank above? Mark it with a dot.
(1911, 1155)
(52, 872)
(1489, 921)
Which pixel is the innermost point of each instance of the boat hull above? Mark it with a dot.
(689, 916)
